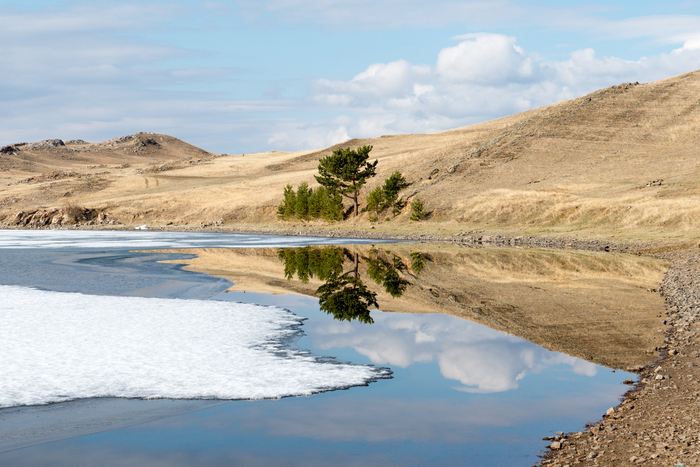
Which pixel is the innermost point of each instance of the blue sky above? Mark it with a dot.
(247, 76)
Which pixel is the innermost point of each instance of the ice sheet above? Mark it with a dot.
(142, 240)
(60, 346)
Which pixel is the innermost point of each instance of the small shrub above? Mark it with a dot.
(287, 208)
(375, 202)
(75, 213)
(417, 210)
(387, 195)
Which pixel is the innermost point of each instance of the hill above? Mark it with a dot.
(622, 161)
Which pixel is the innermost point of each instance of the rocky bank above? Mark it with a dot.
(658, 421)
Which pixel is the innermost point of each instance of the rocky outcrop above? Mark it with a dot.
(46, 144)
(8, 149)
(70, 215)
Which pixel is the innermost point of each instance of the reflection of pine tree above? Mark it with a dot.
(344, 295)
(386, 273)
(309, 262)
(418, 261)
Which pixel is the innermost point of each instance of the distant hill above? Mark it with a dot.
(620, 161)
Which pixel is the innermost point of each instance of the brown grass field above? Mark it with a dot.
(621, 162)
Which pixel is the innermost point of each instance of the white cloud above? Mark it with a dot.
(378, 81)
(594, 20)
(484, 76)
(669, 29)
(296, 136)
(693, 43)
(83, 18)
(486, 59)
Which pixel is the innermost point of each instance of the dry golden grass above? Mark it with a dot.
(577, 166)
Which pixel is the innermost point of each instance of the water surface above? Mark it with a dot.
(461, 393)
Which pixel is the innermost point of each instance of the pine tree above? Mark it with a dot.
(301, 207)
(346, 171)
(375, 202)
(392, 186)
(287, 208)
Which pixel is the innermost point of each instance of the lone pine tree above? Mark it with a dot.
(346, 171)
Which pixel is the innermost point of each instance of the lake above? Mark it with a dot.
(146, 348)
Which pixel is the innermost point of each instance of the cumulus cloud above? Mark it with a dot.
(480, 359)
(484, 76)
(484, 59)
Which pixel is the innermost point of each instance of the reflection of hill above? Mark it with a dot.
(594, 306)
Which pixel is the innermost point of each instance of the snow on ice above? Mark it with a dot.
(58, 346)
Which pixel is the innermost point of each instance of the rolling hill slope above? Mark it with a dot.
(621, 161)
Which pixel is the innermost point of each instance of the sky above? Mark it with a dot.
(250, 76)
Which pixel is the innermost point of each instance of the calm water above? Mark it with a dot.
(461, 393)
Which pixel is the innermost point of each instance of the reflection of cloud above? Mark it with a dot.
(485, 368)
(578, 366)
(482, 359)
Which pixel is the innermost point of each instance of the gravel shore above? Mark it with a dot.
(658, 421)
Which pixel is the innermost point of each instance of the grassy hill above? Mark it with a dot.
(622, 161)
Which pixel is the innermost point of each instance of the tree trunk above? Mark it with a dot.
(357, 209)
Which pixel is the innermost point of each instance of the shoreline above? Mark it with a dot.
(658, 419)
(473, 238)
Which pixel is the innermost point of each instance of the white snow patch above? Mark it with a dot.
(60, 346)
